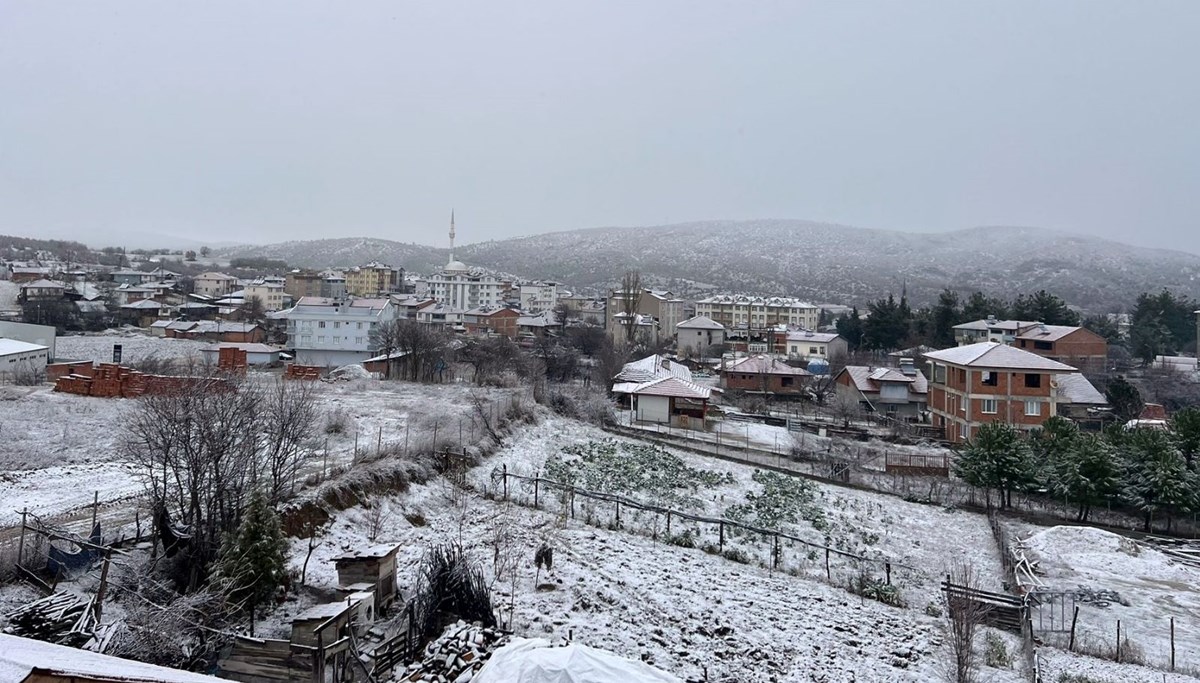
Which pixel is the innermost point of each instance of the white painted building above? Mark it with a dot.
(215, 284)
(270, 291)
(538, 296)
(18, 358)
(42, 335)
(326, 332)
(696, 335)
(756, 312)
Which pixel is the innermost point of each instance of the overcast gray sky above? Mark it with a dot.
(264, 121)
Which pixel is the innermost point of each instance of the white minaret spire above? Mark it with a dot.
(451, 235)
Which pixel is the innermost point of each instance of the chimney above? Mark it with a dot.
(991, 319)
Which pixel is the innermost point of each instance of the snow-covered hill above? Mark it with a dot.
(815, 261)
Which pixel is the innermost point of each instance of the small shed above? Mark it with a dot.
(256, 354)
(375, 566)
(328, 623)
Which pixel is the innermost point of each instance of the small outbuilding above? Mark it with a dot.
(375, 566)
(18, 358)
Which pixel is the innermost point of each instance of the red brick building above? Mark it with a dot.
(764, 375)
(973, 385)
(1077, 346)
(502, 321)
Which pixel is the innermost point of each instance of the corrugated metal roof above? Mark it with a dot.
(669, 386)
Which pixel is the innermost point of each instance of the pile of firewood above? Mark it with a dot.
(457, 655)
(59, 618)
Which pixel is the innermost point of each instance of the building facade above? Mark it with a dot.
(327, 332)
(750, 312)
(215, 284)
(695, 336)
(373, 279)
(664, 307)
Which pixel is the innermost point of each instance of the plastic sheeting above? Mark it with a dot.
(535, 661)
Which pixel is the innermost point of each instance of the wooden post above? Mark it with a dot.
(1172, 643)
(828, 573)
(1074, 619)
(505, 475)
(535, 490)
(668, 523)
(1118, 641)
(21, 543)
(407, 426)
(572, 502)
(775, 554)
(100, 590)
(95, 510)
(618, 514)
(887, 568)
(722, 536)
(379, 442)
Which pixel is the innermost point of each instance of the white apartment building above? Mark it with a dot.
(215, 284)
(537, 297)
(460, 287)
(270, 291)
(755, 312)
(326, 332)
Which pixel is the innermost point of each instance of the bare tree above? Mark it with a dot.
(376, 517)
(424, 348)
(631, 301)
(288, 418)
(385, 340)
(965, 617)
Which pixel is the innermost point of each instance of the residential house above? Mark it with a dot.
(899, 392)
(538, 296)
(306, 283)
(24, 274)
(764, 375)
(544, 324)
(1082, 402)
(643, 328)
(18, 358)
(656, 389)
(1068, 344)
(587, 309)
(756, 313)
(143, 312)
(328, 332)
(215, 284)
(128, 294)
(408, 305)
(41, 290)
(499, 321)
(269, 291)
(989, 381)
(373, 279)
(25, 660)
(807, 345)
(130, 277)
(442, 315)
(662, 306)
(696, 335)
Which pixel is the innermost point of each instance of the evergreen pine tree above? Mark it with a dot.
(997, 458)
(253, 563)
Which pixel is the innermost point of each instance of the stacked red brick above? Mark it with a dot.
(114, 381)
(295, 371)
(231, 359)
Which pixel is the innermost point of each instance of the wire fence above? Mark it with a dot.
(734, 540)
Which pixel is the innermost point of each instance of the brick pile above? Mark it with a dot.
(295, 371)
(56, 370)
(109, 380)
(231, 360)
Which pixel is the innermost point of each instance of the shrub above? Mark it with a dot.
(337, 422)
(996, 652)
(736, 555)
(874, 589)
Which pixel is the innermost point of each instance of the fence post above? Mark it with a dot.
(505, 472)
(95, 510)
(572, 502)
(668, 523)
(722, 536)
(536, 480)
(775, 554)
(887, 568)
(21, 546)
(1118, 641)
(618, 514)
(1074, 619)
(828, 574)
(1172, 643)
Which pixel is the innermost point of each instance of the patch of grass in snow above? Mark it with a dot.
(623, 468)
(784, 499)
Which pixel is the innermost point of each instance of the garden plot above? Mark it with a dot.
(681, 610)
(136, 347)
(1150, 588)
(876, 526)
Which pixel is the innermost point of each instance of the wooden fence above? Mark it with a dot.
(669, 525)
(993, 609)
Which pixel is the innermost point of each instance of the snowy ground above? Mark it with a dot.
(42, 428)
(8, 295)
(136, 346)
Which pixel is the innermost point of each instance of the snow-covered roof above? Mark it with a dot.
(700, 322)
(10, 346)
(1075, 388)
(763, 365)
(1048, 332)
(810, 336)
(993, 324)
(90, 306)
(652, 368)
(770, 302)
(543, 319)
(161, 323)
(248, 347)
(998, 356)
(323, 611)
(143, 304)
(664, 386)
(43, 284)
(22, 658)
(372, 552)
(868, 379)
(534, 661)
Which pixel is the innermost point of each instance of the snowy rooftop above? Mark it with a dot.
(43, 284)
(1075, 388)
(664, 386)
(144, 304)
(652, 368)
(762, 365)
(8, 346)
(700, 322)
(247, 347)
(994, 324)
(999, 356)
(1048, 332)
(868, 379)
(23, 658)
(373, 552)
(741, 300)
(810, 336)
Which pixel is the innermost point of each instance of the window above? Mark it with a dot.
(1043, 346)
(336, 324)
(358, 340)
(360, 326)
(939, 374)
(321, 339)
(1033, 380)
(787, 381)
(1033, 408)
(812, 350)
(321, 323)
(306, 339)
(988, 406)
(990, 378)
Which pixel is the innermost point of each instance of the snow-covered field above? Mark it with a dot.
(41, 428)
(136, 346)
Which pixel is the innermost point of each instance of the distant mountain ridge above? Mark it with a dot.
(814, 261)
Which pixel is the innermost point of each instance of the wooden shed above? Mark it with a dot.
(375, 565)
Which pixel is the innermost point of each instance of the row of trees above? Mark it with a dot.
(1152, 471)
(1160, 323)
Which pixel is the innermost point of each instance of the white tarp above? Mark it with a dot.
(532, 660)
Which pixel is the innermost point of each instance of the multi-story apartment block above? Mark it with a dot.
(663, 306)
(756, 313)
(973, 385)
(538, 296)
(695, 336)
(1077, 346)
(328, 284)
(373, 279)
(215, 285)
(463, 288)
(330, 332)
(269, 291)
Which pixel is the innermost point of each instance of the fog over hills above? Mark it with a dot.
(815, 261)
